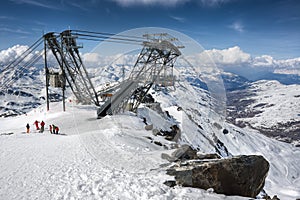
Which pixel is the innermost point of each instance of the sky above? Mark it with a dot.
(258, 27)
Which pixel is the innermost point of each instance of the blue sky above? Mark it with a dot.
(258, 27)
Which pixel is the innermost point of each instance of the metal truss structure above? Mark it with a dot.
(65, 49)
(153, 67)
(157, 56)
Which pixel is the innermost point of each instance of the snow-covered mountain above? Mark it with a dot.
(234, 82)
(268, 106)
(21, 90)
(116, 158)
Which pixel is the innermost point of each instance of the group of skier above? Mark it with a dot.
(53, 129)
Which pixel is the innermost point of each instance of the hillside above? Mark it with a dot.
(116, 157)
(268, 106)
(113, 158)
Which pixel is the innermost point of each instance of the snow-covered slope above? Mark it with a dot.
(116, 158)
(113, 158)
(270, 107)
(21, 90)
(94, 159)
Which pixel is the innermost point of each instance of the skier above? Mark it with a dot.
(27, 128)
(56, 129)
(36, 123)
(53, 128)
(42, 127)
(50, 128)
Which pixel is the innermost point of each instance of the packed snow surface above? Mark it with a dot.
(90, 159)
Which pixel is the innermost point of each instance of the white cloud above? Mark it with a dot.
(6, 17)
(222, 58)
(264, 61)
(179, 19)
(3, 29)
(237, 26)
(235, 57)
(230, 56)
(167, 3)
(43, 4)
(170, 3)
(213, 3)
(10, 54)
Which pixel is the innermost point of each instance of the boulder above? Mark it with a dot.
(185, 152)
(241, 175)
(208, 156)
(149, 127)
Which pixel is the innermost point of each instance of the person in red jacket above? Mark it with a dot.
(56, 129)
(36, 123)
(42, 126)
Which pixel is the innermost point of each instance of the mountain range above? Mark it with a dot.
(120, 146)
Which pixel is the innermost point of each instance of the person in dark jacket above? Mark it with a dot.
(50, 128)
(42, 126)
(55, 129)
(27, 128)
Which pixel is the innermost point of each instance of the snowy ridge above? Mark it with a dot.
(21, 91)
(278, 103)
(270, 107)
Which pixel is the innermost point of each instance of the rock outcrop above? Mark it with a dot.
(185, 152)
(241, 175)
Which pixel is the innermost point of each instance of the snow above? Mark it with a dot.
(95, 159)
(279, 104)
(112, 158)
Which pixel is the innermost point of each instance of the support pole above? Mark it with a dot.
(63, 78)
(63, 93)
(47, 74)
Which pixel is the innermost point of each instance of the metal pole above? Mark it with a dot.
(63, 92)
(63, 75)
(47, 74)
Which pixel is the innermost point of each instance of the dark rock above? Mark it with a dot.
(185, 152)
(149, 127)
(208, 156)
(173, 135)
(241, 175)
(168, 114)
(10, 133)
(148, 137)
(148, 99)
(158, 143)
(225, 131)
(170, 183)
(218, 126)
(221, 149)
(145, 120)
